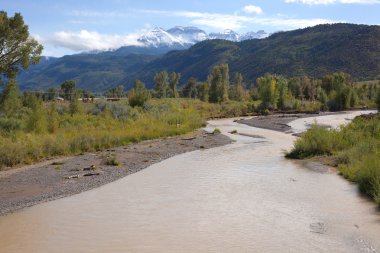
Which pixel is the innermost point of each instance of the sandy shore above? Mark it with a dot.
(30, 185)
(279, 122)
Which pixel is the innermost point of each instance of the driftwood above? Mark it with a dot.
(92, 167)
(92, 174)
(72, 177)
(189, 139)
(83, 175)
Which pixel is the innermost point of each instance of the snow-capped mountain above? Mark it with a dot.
(184, 37)
(254, 35)
(226, 35)
(159, 37)
(190, 35)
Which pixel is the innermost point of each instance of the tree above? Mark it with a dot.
(225, 81)
(203, 91)
(268, 92)
(378, 100)
(237, 91)
(219, 83)
(68, 89)
(295, 87)
(138, 95)
(190, 90)
(115, 92)
(161, 84)
(17, 49)
(282, 90)
(10, 102)
(323, 100)
(50, 95)
(174, 80)
(37, 121)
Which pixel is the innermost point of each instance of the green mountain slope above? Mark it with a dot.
(313, 51)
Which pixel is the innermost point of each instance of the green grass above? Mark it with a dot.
(113, 125)
(355, 147)
(104, 125)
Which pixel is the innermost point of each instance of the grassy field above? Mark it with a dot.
(354, 149)
(54, 130)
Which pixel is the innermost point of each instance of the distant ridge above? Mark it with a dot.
(314, 51)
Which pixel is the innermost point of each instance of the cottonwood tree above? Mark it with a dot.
(237, 91)
(268, 92)
(219, 83)
(203, 91)
(173, 83)
(161, 84)
(68, 89)
(190, 90)
(17, 49)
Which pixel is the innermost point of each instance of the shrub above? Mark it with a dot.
(216, 131)
(111, 160)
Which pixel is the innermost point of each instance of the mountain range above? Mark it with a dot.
(313, 51)
(180, 37)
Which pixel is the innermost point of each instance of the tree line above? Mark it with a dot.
(332, 92)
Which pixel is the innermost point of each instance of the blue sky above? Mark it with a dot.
(72, 26)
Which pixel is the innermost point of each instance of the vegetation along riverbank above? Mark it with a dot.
(354, 149)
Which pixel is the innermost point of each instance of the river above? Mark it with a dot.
(243, 197)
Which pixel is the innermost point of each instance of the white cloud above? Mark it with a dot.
(253, 9)
(327, 2)
(236, 22)
(88, 40)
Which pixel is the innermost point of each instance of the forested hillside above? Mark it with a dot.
(315, 52)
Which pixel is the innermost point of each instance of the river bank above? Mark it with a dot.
(49, 180)
(279, 122)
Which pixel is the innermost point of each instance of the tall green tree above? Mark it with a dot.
(161, 84)
(68, 89)
(282, 90)
(219, 83)
(268, 92)
(10, 102)
(237, 91)
(139, 94)
(225, 81)
(203, 91)
(190, 90)
(17, 49)
(173, 83)
(323, 99)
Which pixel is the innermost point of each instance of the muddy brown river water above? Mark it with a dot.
(243, 197)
